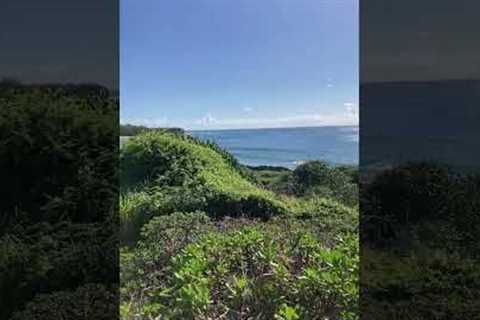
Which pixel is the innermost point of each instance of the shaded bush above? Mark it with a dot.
(91, 301)
(464, 211)
(406, 195)
(57, 153)
(320, 178)
(428, 285)
(45, 258)
(58, 162)
(419, 256)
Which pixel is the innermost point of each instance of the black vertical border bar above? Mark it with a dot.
(419, 159)
(59, 128)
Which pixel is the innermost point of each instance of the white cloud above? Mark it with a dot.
(151, 123)
(248, 109)
(351, 107)
(329, 83)
(206, 121)
(347, 118)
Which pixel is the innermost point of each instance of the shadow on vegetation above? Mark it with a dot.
(58, 222)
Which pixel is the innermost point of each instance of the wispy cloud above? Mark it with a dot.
(348, 117)
(147, 122)
(351, 107)
(248, 109)
(206, 121)
(329, 83)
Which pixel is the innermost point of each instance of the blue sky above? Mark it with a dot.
(216, 64)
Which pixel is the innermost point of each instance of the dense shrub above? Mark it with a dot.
(256, 271)
(46, 258)
(350, 171)
(405, 195)
(162, 238)
(420, 254)
(464, 210)
(278, 180)
(322, 179)
(317, 173)
(91, 301)
(428, 285)
(57, 153)
(58, 163)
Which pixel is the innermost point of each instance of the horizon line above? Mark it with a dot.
(255, 128)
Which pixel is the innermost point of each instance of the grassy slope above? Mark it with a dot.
(165, 159)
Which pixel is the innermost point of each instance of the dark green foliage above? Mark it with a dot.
(58, 162)
(320, 178)
(430, 285)
(350, 171)
(57, 153)
(406, 194)
(313, 174)
(46, 258)
(411, 192)
(274, 179)
(90, 301)
(420, 254)
(464, 210)
(253, 206)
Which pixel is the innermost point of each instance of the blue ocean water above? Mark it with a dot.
(287, 147)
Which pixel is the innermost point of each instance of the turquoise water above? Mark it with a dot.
(287, 147)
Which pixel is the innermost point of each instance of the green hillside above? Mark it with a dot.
(204, 237)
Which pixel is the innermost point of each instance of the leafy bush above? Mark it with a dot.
(58, 153)
(58, 162)
(419, 256)
(55, 257)
(464, 209)
(254, 271)
(320, 178)
(412, 191)
(432, 285)
(91, 301)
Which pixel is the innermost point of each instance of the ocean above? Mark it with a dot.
(287, 147)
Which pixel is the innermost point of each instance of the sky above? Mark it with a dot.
(221, 64)
(49, 41)
(413, 40)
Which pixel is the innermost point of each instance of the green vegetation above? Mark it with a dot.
(420, 249)
(58, 163)
(311, 179)
(206, 238)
